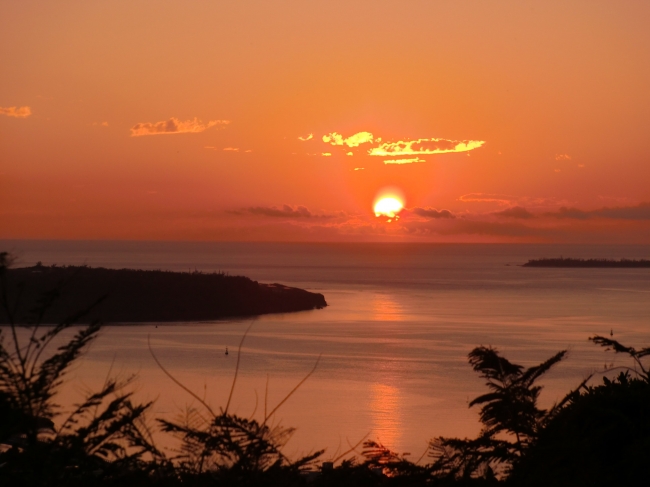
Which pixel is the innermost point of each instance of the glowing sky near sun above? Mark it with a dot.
(252, 120)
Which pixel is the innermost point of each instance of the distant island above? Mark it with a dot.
(149, 296)
(600, 263)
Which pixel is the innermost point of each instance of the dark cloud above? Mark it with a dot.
(432, 213)
(638, 212)
(573, 213)
(515, 212)
(286, 211)
(461, 226)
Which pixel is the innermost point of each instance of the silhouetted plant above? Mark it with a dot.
(600, 437)
(230, 447)
(509, 411)
(103, 437)
(636, 355)
(392, 464)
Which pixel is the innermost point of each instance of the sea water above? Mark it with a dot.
(390, 349)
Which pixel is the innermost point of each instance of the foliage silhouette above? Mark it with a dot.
(103, 438)
(509, 412)
(228, 448)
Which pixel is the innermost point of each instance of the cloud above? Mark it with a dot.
(305, 139)
(231, 149)
(562, 157)
(404, 161)
(359, 168)
(424, 146)
(486, 198)
(352, 141)
(638, 212)
(100, 124)
(286, 211)
(515, 212)
(18, 112)
(326, 154)
(431, 212)
(174, 126)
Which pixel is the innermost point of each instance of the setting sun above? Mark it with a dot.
(388, 206)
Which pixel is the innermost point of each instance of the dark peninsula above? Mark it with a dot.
(149, 296)
(593, 263)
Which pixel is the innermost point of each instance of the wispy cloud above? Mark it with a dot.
(18, 112)
(404, 161)
(424, 146)
(431, 213)
(562, 157)
(515, 212)
(352, 141)
(231, 149)
(326, 154)
(502, 199)
(174, 126)
(305, 139)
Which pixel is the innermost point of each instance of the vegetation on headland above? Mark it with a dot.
(599, 434)
(600, 263)
(145, 296)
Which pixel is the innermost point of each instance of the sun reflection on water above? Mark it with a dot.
(385, 407)
(385, 308)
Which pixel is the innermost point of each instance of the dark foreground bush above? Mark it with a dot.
(600, 438)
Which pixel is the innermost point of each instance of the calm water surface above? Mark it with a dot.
(393, 341)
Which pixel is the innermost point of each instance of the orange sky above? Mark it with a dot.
(498, 121)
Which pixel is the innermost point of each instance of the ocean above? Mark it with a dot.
(391, 347)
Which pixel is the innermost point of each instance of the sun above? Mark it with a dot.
(388, 206)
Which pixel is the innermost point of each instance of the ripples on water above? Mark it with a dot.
(394, 339)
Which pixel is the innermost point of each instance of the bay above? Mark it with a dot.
(392, 343)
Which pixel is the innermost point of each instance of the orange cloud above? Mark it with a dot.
(326, 154)
(304, 139)
(22, 112)
(562, 157)
(174, 126)
(424, 146)
(404, 161)
(352, 141)
(231, 149)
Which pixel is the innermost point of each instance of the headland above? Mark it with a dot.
(594, 263)
(132, 296)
